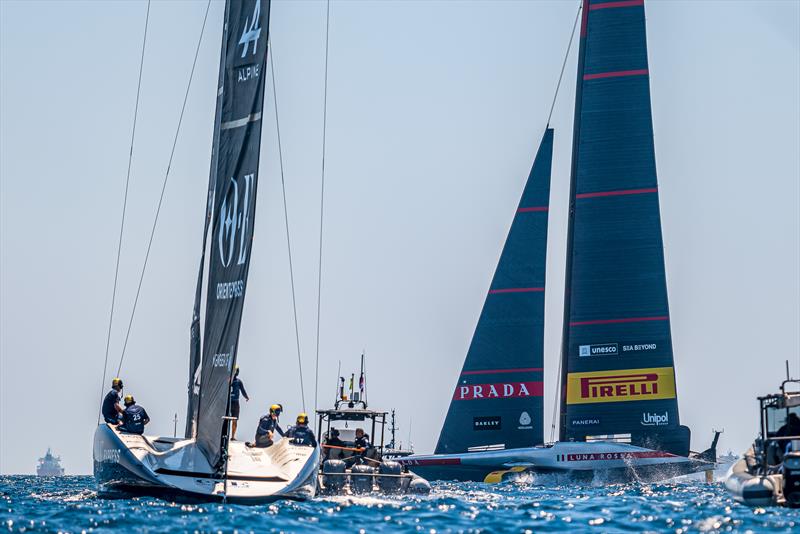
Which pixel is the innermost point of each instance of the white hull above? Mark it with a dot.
(609, 460)
(127, 464)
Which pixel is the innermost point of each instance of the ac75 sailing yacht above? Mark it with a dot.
(619, 409)
(205, 465)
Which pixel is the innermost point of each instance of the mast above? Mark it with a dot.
(576, 127)
(497, 402)
(618, 373)
(235, 172)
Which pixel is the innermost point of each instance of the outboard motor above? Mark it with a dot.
(393, 482)
(333, 477)
(791, 478)
(361, 478)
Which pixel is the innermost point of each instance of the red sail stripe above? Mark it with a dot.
(623, 3)
(616, 74)
(495, 371)
(535, 208)
(516, 290)
(625, 320)
(618, 193)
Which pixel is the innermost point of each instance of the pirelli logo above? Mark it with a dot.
(621, 386)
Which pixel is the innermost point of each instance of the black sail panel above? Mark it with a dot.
(195, 340)
(497, 402)
(233, 218)
(617, 345)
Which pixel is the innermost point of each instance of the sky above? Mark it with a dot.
(435, 111)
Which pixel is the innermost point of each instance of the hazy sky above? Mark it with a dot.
(435, 110)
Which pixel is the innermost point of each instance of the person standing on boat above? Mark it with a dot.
(237, 389)
(267, 426)
(333, 445)
(362, 444)
(111, 410)
(134, 417)
(300, 434)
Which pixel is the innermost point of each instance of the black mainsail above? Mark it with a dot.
(617, 351)
(497, 403)
(235, 176)
(195, 340)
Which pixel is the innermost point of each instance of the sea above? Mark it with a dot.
(535, 504)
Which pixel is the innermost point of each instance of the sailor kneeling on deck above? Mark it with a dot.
(267, 425)
(134, 417)
(300, 434)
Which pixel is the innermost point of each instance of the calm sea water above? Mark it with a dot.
(69, 504)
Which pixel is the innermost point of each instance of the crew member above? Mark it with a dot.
(111, 410)
(300, 433)
(332, 441)
(134, 417)
(267, 426)
(791, 428)
(362, 443)
(237, 388)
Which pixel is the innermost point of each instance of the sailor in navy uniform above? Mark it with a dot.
(134, 417)
(300, 434)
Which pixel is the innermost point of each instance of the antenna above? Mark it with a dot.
(787, 370)
(175, 427)
(336, 397)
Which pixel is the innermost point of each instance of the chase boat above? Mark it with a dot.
(345, 468)
(768, 474)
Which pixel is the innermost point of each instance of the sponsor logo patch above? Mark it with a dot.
(601, 349)
(621, 385)
(655, 419)
(584, 422)
(499, 390)
(639, 347)
(486, 422)
(524, 421)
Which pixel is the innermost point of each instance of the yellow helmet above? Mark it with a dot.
(276, 409)
(302, 419)
(116, 382)
(129, 400)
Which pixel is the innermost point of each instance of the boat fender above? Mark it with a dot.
(361, 478)
(390, 484)
(333, 478)
(419, 485)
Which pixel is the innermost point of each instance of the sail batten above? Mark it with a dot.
(497, 402)
(235, 176)
(618, 371)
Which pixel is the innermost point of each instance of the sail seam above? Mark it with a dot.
(622, 3)
(535, 208)
(623, 320)
(238, 123)
(516, 290)
(497, 371)
(616, 74)
(621, 192)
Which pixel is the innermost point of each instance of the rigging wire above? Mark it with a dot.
(124, 204)
(564, 65)
(163, 188)
(271, 53)
(557, 399)
(322, 198)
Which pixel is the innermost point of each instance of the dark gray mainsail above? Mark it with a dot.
(497, 403)
(195, 347)
(235, 175)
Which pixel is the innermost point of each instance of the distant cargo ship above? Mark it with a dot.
(49, 466)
